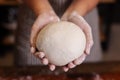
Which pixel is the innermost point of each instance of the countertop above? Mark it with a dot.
(87, 71)
(101, 67)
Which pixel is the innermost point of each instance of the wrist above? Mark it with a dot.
(38, 6)
(44, 12)
(42, 9)
(82, 7)
(75, 14)
(76, 18)
(70, 15)
(50, 16)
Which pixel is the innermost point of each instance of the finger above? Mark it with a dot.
(45, 61)
(41, 21)
(89, 45)
(32, 50)
(71, 65)
(40, 55)
(81, 22)
(65, 68)
(80, 59)
(52, 67)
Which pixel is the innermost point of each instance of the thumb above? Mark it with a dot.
(40, 22)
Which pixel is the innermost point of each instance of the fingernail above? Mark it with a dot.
(80, 60)
(52, 67)
(45, 61)
(76, 62)
(65, 69)
(32, 50)
(83, 58)
(41, 55)
(88, 49)
(71, 65)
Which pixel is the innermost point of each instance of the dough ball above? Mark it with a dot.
(62, 42)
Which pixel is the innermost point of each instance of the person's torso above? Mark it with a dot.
(60, 6)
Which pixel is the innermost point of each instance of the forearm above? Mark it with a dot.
(39, 6)
(82, 7)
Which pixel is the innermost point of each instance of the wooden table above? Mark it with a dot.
(101, 67)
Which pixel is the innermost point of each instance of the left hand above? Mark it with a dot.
(79, 20)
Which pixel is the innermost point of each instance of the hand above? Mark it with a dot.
(42, 20)
(79, 20)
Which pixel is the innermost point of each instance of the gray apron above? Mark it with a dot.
(26, 18)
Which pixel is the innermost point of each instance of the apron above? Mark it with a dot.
(26, 18)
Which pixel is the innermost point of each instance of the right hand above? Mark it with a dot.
(42, 20)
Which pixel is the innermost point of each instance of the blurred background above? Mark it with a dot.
(109, 29)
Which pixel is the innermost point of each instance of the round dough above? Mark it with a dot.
(62, 42)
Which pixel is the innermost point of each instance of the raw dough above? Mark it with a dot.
(62, 42)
